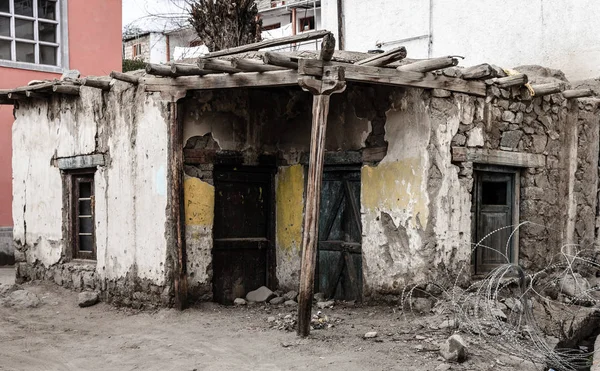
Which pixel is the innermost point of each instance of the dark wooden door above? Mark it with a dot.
(242, 232)
(493, 212)
(339, 266)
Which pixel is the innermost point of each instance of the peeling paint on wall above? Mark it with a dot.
(289, 213)
(199, 198)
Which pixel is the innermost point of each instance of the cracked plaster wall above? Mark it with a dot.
(130, 191)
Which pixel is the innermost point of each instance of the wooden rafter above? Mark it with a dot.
(377, 75)
(306, 36)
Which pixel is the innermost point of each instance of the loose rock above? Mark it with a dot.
(278, 300)
(260, 295)
(290, 295)
(22, 299)
(370, 335)
(87, 298)
(290, 303)
(325, 304)
(443, 367)
(319, 296)
(239, 301)
(454, 349)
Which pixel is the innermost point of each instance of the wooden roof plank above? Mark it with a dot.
(385, 76)
(223, 81)
(305, 36)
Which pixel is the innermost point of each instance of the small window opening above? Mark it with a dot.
(306, 24)
(493, 193)
(84, 237)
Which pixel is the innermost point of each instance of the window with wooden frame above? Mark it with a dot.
(136, 50)
(271, 27)
(82, 215)
(306, 24)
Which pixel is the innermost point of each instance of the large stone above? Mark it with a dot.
(454, 349)
(87, 298)
(508, 116)
(22, 299)
(370, 335)
(277, 300)
(290, 303)
(260, 295)
(290, 295)
(319, 296)
(475, 138)
(510, 139)
(574, 285)
(239, 301)
(325, 304)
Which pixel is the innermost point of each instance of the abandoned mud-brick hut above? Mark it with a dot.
(202, 181)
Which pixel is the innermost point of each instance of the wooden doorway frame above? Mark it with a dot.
(226, 165)
(516, 196)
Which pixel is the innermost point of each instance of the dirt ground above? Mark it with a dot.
(58, 335)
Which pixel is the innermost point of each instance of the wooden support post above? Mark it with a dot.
(176, 200)
(125, 77)
(281, 60)
(327, 47)
(546, 89)
(159, 69)
(97, 83)
(187, 70)
(333, 82)
(514, 80)
(253, 65)
(388, 57)
(577, 93)
(66, 89)
(429, 65)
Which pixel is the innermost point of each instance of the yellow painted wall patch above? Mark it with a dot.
(199, 199)
(290, 206)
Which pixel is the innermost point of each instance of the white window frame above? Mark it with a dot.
(62, 38)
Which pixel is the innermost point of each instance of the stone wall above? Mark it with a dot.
(557, 199)
(7, 251)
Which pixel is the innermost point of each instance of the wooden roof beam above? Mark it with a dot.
(429, 65)
(386, 76)
(254, 65)
(578, 93)
(383, 59)
(159, 70)
(281, 60)
(305, 36)
(97, 82)
(66, 89)
(181, 69)
(125, 77)
(547, 89)
(222, 81)
(509, 81)
(217, 66)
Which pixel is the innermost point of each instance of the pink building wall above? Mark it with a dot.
(94, 49)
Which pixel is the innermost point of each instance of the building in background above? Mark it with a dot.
(291, 17)
(163, 46)
(39, 39)
(559, 34)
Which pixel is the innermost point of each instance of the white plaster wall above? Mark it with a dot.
(559, 34)
(158, 48)
(130, 191)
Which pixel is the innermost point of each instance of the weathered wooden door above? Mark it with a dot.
(242, 232)
(339, 265)
(493, 209)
